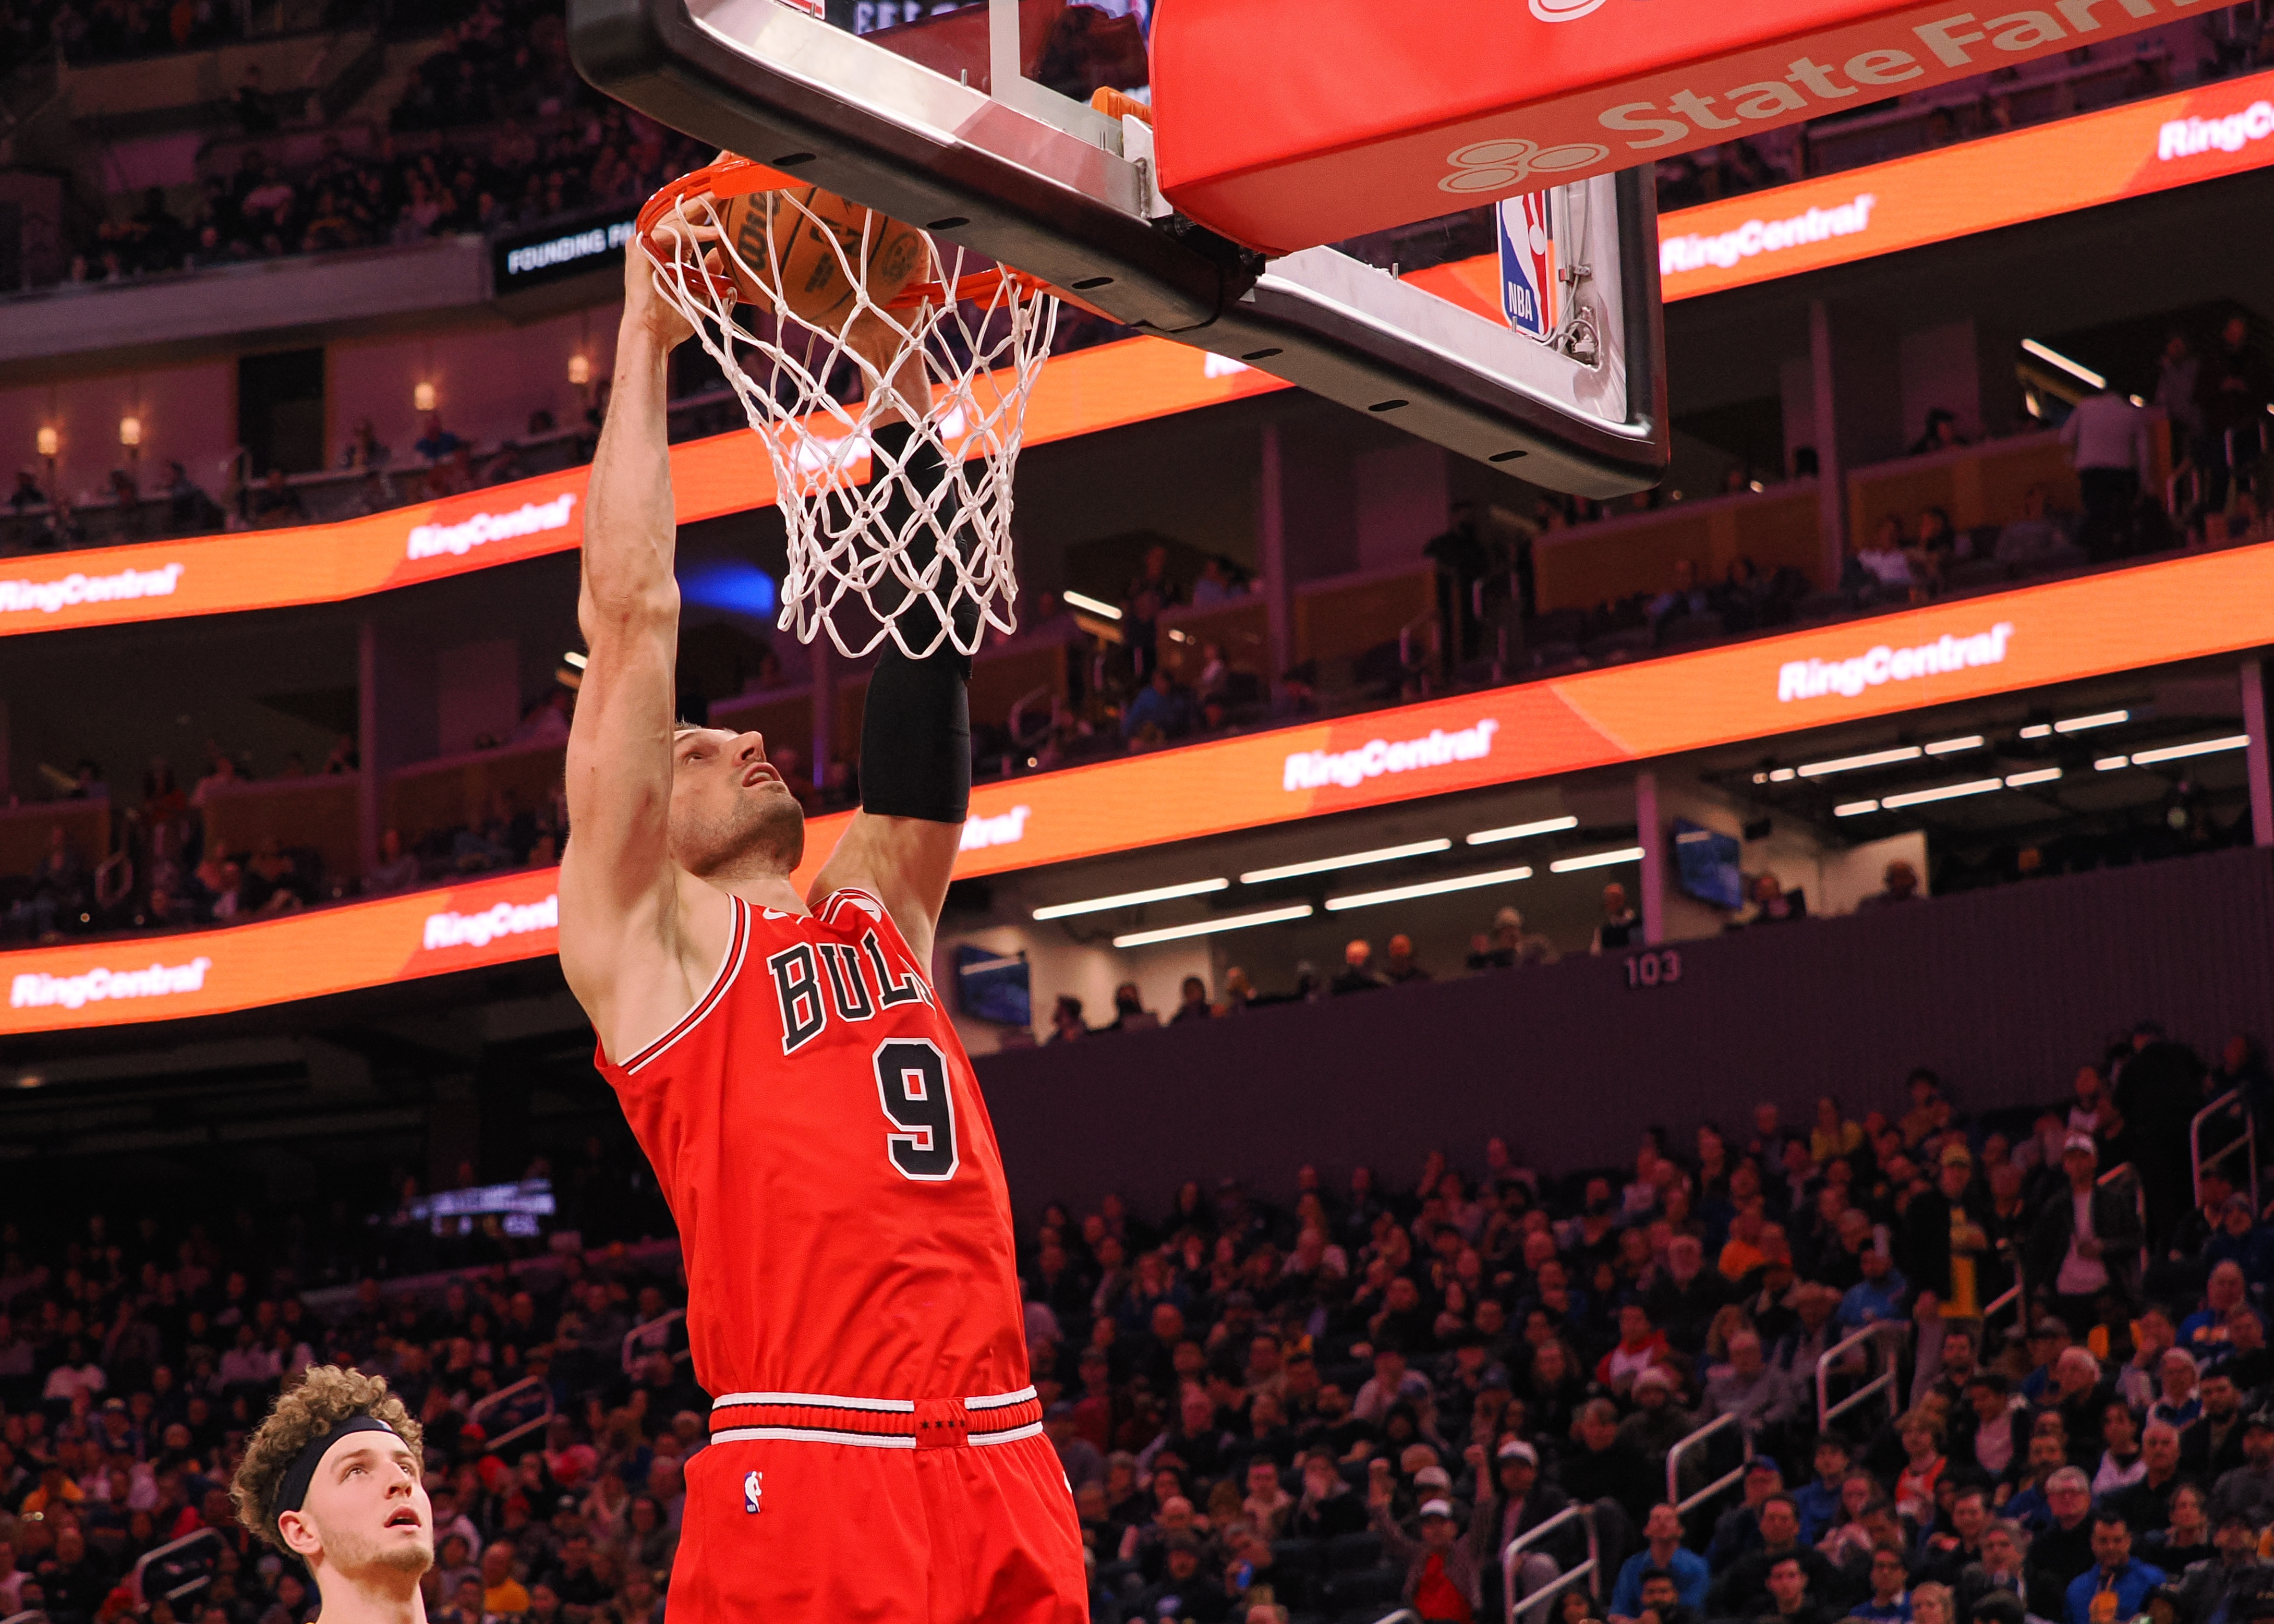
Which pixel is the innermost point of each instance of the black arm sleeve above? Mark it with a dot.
(916, 729)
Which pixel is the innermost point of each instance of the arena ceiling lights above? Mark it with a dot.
(1428, 888)
(1215, 927)
(1949, 792)
(1596, 859)
(1518, 831)
(1131, 899)
(2174, 752)
(1354, 860)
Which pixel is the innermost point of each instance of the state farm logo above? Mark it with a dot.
(1498, 165)
(1564, 10)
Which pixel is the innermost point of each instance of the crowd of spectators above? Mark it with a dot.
(1320, 1407)
(168, 870)
(547, 146)
(1354, 1401)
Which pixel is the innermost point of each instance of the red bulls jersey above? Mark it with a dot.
(818, 1131)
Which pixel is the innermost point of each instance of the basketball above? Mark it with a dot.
(803, 241)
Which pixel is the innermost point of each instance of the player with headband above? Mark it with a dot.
(854, 1305)
(334, 1478)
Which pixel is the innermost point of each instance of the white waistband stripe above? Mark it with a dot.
(815, 1434)
(820, 1400)
(889, 1406)
(1032, 1430)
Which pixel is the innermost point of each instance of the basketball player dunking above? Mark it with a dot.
(876, 1448)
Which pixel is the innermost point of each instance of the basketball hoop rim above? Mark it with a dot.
(735, 177)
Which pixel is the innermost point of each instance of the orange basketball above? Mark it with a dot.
(795, 238)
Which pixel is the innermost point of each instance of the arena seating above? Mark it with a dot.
(1260, 1395)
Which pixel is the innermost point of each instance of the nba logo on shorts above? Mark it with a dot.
(753, 1485)
(1529, 295)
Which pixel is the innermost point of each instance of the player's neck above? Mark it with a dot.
(765, 889)
(378, 1597)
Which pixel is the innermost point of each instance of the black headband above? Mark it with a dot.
(302, 1472)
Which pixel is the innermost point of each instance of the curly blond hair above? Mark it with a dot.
(325, 1395)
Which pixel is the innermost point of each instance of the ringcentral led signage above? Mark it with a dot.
(1133, 382)
(2182, 609)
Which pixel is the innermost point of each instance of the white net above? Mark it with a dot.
(878, 524)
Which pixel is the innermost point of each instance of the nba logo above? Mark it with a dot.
(753, 1485)
(1529, 296)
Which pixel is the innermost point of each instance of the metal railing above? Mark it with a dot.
(1590, 1570)
(2010, 1297)
(648, 1330)
(2230, 1100)
(527, 1386)
(174, 1580)
(1682, 1502)
(1399, 1617)
(36, 1617)
(1874, 1335)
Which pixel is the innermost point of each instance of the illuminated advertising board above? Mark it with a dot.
(2063, 631)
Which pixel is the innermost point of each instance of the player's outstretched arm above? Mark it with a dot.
(619, 917)
(915, 759)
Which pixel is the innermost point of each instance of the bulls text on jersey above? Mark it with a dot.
(861, 983)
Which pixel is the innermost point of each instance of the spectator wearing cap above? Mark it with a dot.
(1442, 1567)
(2087, 1240)
(2117, 1584)
(1945, 1246)
(1512, 1502)
(2249, 1487)
(1662, 1552)
(1658, 1422)
(1080, 1456)
(2241, 1241)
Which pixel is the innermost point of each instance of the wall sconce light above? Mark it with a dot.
(580, 369)
(129, 433)
(422, 397)
(50, 441)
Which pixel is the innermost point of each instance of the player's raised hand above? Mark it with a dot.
(648, 311)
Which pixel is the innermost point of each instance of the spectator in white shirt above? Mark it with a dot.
(77, 1374)
(2107, 440)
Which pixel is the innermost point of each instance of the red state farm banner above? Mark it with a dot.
(1130, 381)
(1284, 124)
(2033, 637)
(1932, 197)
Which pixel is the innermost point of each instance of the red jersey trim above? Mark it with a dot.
(730, 965)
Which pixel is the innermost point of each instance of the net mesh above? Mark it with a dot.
(873, 531)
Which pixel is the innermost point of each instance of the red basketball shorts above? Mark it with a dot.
(846, 1511)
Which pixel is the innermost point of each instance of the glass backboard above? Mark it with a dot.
(976, 122)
